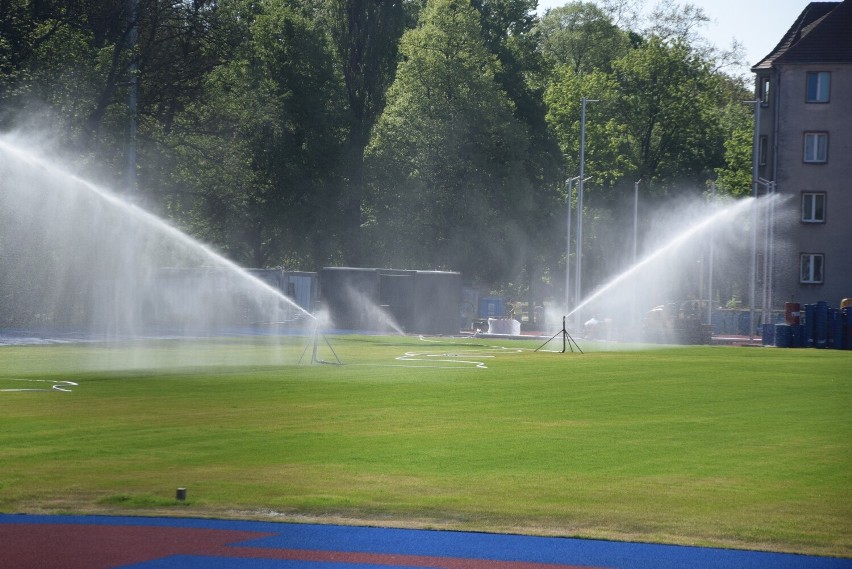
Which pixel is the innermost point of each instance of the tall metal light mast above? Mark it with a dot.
(578, 275)
(754, 181)
(132, 39)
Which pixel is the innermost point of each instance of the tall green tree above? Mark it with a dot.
(73, 61)
(258, 155)
(672, 21)
(366, 34)
(735, 177)
(447, 156)
(582, 36)
(509, 32)
(57, 60)
(607, 151)
(670, 102)
(658, 116)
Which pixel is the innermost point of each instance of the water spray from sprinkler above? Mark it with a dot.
(678, 241)
(148, 219)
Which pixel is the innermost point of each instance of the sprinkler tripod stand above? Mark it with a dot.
(567, 340)
(314, 359)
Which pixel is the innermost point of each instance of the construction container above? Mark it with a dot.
(383, 300)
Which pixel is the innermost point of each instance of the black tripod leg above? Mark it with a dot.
(550, 340)
(570, 339)
(332, 350)
(308, 345)
(566, 340)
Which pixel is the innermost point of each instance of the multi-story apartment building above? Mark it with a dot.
(804, 152)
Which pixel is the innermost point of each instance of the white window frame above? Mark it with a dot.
(815, 148)
(813, 207)
(765, 88)
(822, 85)
(812, 268)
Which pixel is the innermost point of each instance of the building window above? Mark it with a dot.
(812, 266)
(816, 147)
(813, 207)
(764, 85)
(761, 152)
(819, 86)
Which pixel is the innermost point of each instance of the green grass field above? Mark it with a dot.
(734, 447)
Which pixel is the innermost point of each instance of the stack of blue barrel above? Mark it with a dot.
(767, 335)
(841, 326)
(809, 324)
(783, 336)
(821, 325)
(825, 327)
(846, 315)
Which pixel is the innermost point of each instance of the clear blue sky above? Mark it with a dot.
(757, 24)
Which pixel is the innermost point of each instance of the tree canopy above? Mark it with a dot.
(429, 134)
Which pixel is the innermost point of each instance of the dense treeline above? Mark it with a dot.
(429, 134)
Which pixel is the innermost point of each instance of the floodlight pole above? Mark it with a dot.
(633, 312)
(132, 38)
(635, 217)
(710, 265)
(570, 183)
(568, 303)
(754, 181)
(769, 248)
(773, 188)
(578, 289)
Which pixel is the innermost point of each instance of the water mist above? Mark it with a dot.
(78, 260)
(675, 266)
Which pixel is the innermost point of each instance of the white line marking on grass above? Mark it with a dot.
(423, 357)
(57, 385)
(474, 355)
(476, 351)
